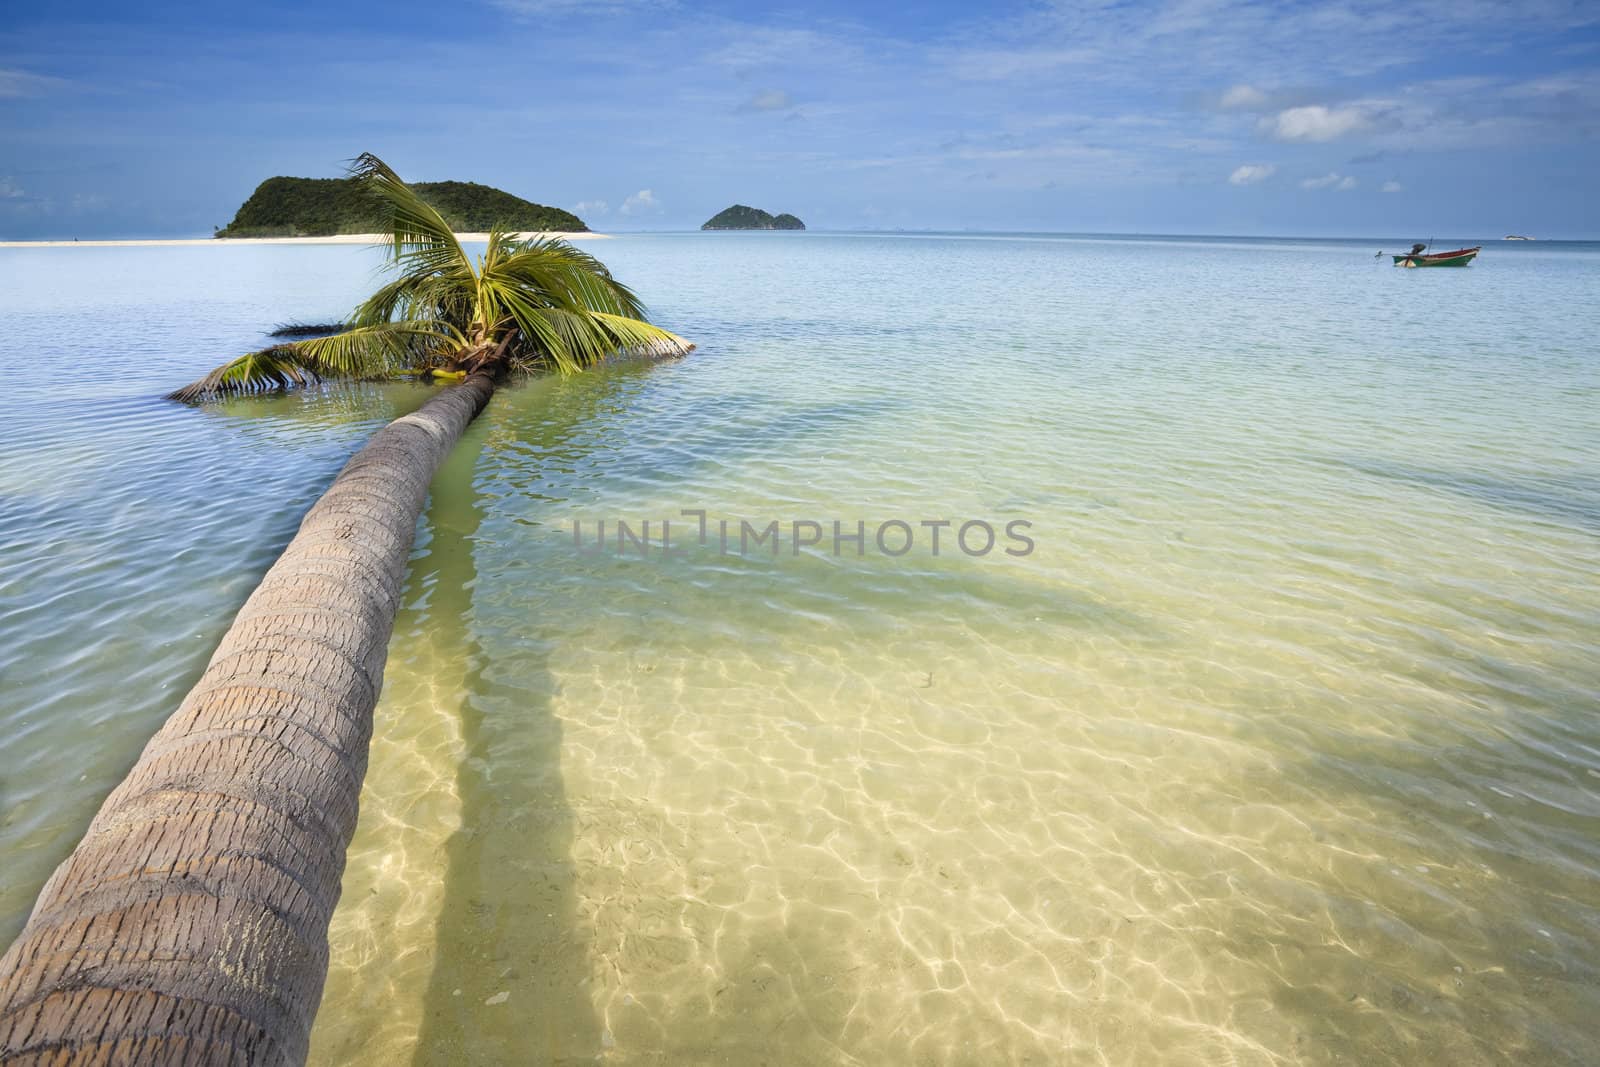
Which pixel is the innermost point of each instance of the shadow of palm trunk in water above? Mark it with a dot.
(459, 941)
(465, 938)
(510, 981)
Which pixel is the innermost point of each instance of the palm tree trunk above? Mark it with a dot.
(190, 924)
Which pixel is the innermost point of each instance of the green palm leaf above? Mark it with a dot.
(419, 239)
(362, 352)
(564, 276)
(380, 350)
(573, 340)
(272, 368)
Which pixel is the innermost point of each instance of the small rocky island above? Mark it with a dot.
(740, 217)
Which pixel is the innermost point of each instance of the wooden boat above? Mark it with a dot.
(1459, 258)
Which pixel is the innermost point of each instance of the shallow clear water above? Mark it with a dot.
(1281, 746)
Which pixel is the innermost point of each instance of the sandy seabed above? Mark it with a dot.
(337, 239)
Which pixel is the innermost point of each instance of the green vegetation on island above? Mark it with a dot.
(740, 217)
(323, 207)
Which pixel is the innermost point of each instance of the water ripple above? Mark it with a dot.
(1280, 749)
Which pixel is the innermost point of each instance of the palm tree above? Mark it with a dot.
(525, 303)
(190, 924)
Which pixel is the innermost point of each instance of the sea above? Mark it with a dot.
(982, 649)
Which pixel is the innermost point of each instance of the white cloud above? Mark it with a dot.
(1001, 64)
(17, 83)
(757, 49)
(640, 203)
(550, 8)
(1200, 43)
(1244, 98)
(1392, 187)
(1330, 181)
(1575, 84)
(769, 100)
(10, 190)
(1315, 123)
(1250, 173)
(591, 207)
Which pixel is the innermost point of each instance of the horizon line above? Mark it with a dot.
(854, 232)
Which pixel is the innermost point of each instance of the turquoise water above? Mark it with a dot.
(1279, 747)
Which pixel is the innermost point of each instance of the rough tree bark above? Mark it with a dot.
(190, 924)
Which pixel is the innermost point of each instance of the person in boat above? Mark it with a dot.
(1416, 249)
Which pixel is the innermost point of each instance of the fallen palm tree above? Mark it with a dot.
(190, 923)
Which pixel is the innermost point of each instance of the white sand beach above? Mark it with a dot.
(338, 239)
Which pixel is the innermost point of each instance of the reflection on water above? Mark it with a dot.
(1280, 749)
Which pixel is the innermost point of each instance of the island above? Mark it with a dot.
(324, 207)
(740, 217)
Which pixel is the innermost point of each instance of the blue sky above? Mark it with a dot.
(1359, 117)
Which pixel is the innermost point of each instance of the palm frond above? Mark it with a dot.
(419, 238)
(379, 350)
(501, 244)
(268, 370)
(635, 337)
(444, 297)
(569, 309)
(362, 352)
(573, 340)
(562, 276)
(565, 339)
(306, 329)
